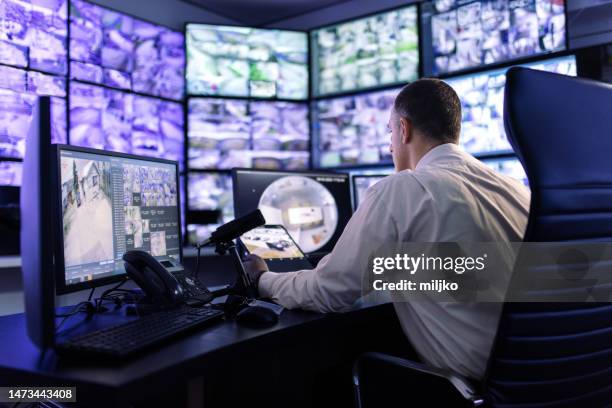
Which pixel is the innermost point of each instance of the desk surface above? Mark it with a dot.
(22, 364)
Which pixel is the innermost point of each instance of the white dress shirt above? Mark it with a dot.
(449, 197)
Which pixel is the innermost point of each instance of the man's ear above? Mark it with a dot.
(406, 130)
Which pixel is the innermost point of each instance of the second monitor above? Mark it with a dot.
(313, 206)
(111, 203)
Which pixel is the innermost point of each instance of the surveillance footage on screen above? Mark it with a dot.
(305, 207)
(369, 52)
(270, 243)
(361, 185)
(144, 190)
(120, 51)
(226, 133)
(509, 167)
(466, 34)
(18, 92)
(242, 61)
(482, 105)
(352, 130)
(87, 211)
(10, 173)
(122, 122)
(210, 191)
(33, 34)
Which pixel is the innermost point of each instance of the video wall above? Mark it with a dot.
(117, 80)
(218, 97)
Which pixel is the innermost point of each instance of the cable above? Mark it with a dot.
(197, 268)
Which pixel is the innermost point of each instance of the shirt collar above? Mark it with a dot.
(436, 153)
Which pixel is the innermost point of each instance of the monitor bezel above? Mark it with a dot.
(61, 287)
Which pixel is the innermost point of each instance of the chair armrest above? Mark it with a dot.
(416, 373)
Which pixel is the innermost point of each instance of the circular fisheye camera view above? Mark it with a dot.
(304, 207)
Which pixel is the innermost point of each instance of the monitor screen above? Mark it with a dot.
(463, 34)
(482, 105)
(33, 34)
(111, 204)
(271, 242)
(352, 130)
(313, 207)
(18, 92)
(373, 51)
(113, 120)
(210, 203)
(210, 192)
(120, 51)
(10, 173)
(509, 166)
(361, 183)
(226, 133)
(242, 61)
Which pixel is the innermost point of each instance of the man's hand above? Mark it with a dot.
(254, 267)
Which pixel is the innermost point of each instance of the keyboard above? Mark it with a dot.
(130, 338)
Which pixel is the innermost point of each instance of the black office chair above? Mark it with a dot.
(551, 355)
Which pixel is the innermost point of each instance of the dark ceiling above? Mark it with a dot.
(262, 12)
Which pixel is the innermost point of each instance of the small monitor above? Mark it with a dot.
(361, 183)
(509, 166)
(460, 35)
(314, 207)
(110, 203)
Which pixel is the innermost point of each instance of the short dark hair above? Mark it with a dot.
(433, 107)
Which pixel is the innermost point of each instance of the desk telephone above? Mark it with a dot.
(164, 283)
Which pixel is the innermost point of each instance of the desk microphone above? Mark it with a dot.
(234, 229)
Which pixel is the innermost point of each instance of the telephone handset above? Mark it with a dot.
(162, 286)
(152, 277)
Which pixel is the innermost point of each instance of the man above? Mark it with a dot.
(438, 194)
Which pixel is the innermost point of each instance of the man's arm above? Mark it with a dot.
(336, 282)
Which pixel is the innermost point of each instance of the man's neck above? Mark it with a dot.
(420, 150)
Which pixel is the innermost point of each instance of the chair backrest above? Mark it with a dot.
(558, 354)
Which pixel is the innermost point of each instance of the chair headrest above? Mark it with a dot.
(560, 127)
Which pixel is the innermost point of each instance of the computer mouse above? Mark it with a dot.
(256, 317)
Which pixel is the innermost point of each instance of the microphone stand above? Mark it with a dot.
(222, 248)
(243, 283)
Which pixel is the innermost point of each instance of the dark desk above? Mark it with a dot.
(304, 360)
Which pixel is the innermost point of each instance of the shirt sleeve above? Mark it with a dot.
(336, 283)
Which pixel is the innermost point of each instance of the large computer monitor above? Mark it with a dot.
(482, 104)
(244, 61)
(110, 203)
(369, 52)
(465, 34)
(227, 133)
(352, 130)
(313, 206)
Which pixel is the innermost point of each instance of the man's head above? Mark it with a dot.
(426, 113)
